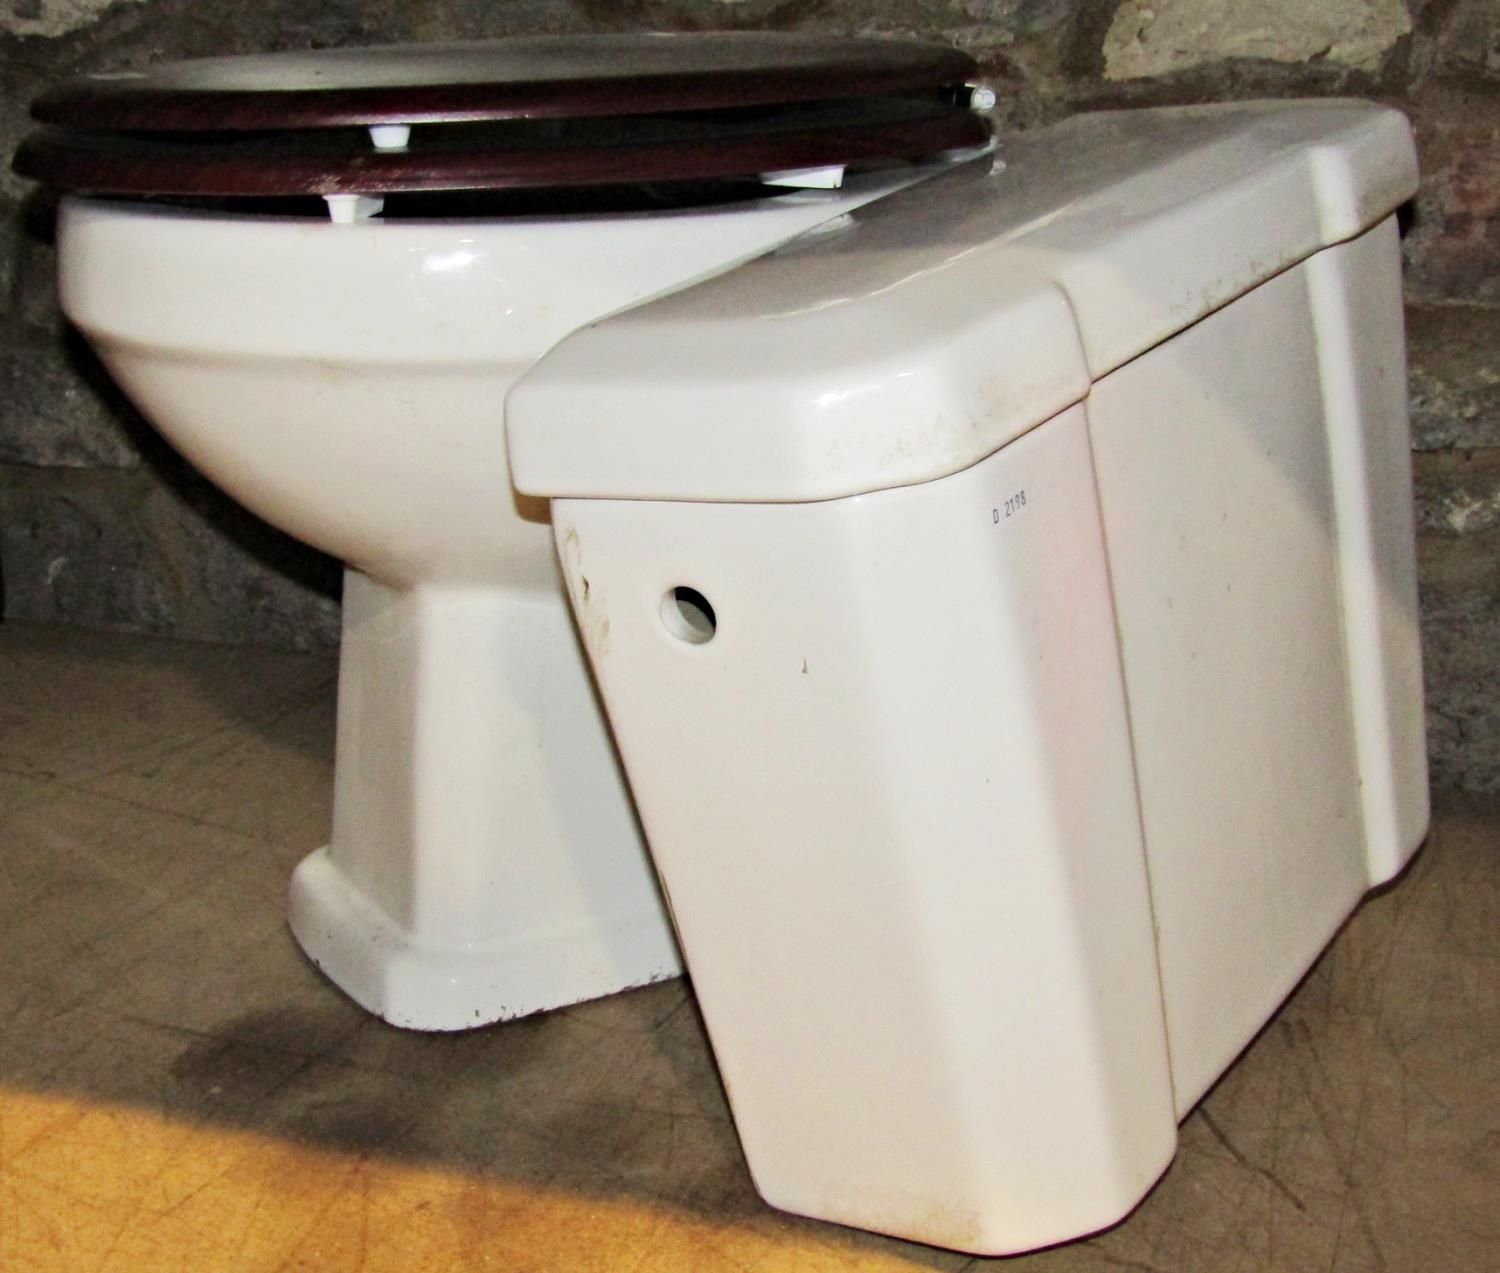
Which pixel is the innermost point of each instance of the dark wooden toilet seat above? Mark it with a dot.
(504, 114)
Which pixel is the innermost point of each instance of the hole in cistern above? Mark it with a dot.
(688, 615)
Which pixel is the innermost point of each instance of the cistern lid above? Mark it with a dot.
(926, 330)
(529, 112)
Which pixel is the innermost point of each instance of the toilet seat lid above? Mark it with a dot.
(457, 157)
(537, 77)
(530, 113)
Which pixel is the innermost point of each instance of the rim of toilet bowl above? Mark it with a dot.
(112, 289)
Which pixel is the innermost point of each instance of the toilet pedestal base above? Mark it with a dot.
(485, 860)
(393, 973)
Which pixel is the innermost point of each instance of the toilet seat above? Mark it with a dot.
(507, 114)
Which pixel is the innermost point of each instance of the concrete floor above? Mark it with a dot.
(179, 1089)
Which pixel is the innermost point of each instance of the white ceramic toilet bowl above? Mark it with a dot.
(347, 382)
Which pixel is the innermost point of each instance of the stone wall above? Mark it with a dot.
(101, 524)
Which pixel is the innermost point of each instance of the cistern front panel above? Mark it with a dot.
(1218, 509)
(892, 800)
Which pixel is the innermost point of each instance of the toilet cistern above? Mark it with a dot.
(1006, 609)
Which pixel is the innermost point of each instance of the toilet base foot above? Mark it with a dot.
(420, 985)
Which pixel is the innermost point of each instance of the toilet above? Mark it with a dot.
(996, 563)
(343, 374)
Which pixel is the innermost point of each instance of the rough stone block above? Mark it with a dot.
(10, 246)
(71, 555)
(1458, 492)
(1453, 248)
(1460, 599)
(1454, 352)
(52, 18)
(127, 550)
(1468, 43)
(58, 407)
(1158, 37)
(34, 285)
